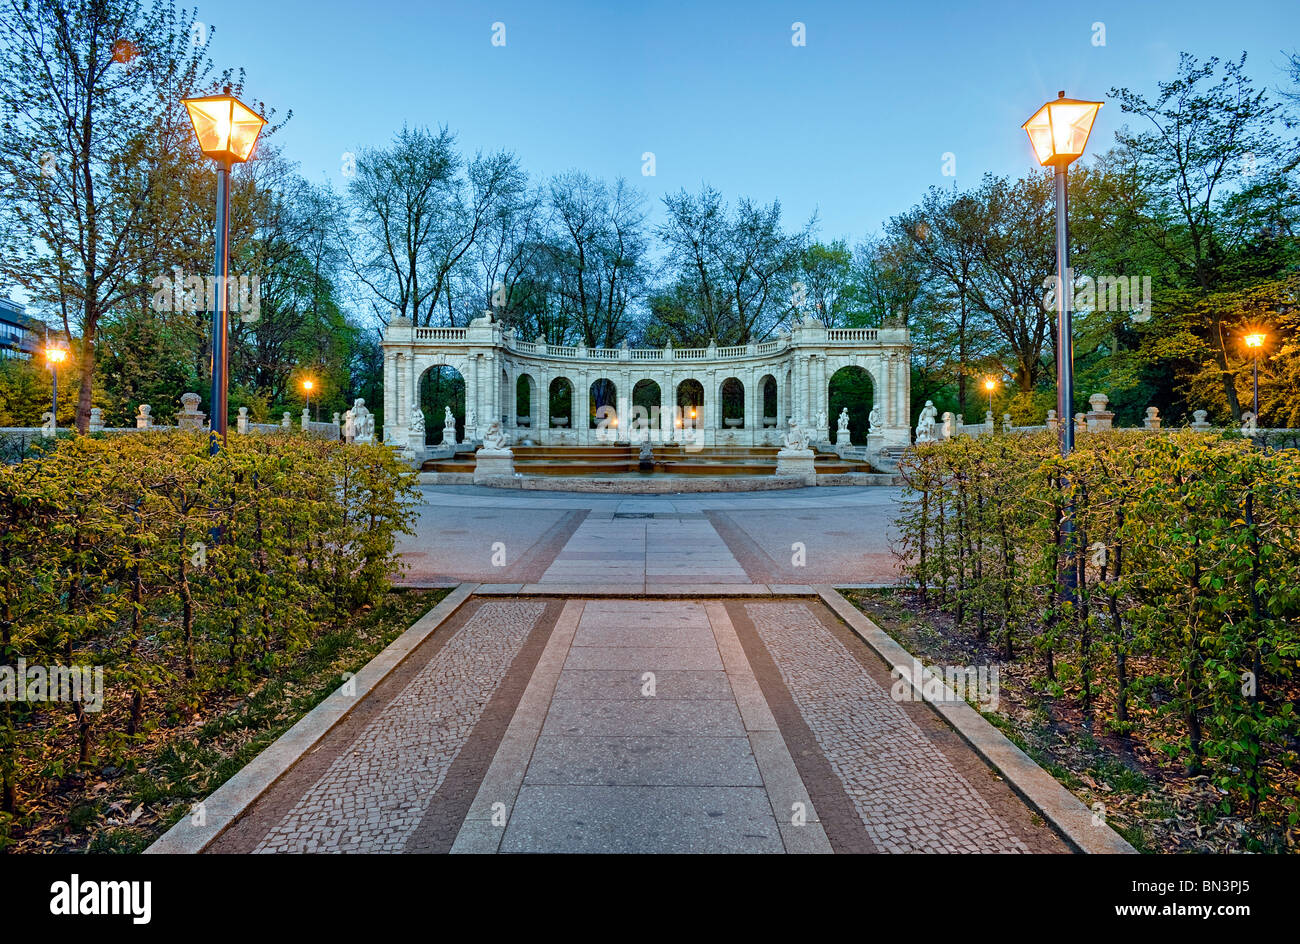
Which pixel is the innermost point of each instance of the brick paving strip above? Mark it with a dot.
(891, 759)
(400, 771)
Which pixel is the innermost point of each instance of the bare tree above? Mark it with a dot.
(89, 94)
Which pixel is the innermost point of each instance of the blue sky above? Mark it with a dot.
(853, 125)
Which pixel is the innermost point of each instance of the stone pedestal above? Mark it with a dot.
(1099, 418)
(797, 462)
(493, 464)
(190, 417)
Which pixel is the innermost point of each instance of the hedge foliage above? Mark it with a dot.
(178, 573)
(1184, 627)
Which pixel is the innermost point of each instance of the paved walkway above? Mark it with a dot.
(584, 725)
(821, 535)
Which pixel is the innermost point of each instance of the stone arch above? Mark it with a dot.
(769, 404)
(690, 402)
(602, 393)
(731, 404)
(441, 385)
(851, 387)
(560, 397)
(526, 404)
(646, 396)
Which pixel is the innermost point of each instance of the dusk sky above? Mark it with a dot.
(853, 125)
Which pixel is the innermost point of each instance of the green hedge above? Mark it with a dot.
(179, 573)
(1185, 626)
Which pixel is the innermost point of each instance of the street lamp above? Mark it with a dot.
(227, 129)
(1255, 341)
(54, 356)
(1058, 133)
(990, 385)
(306, 386)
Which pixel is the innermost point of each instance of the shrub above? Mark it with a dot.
(1180, 611)
(140, 554)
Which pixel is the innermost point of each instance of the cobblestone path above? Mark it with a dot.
(622, 725)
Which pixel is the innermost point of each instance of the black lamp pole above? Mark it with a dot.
(218, 402)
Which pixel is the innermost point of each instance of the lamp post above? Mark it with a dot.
(1255, 341)
(227, 130)
(989, 385)
(1058, 133)
(54, 356)
(306, 386)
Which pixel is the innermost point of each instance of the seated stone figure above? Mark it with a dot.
(494, 440)
(795, 438)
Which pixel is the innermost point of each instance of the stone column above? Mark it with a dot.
(666, 404)
(412, 392)
(822, 396)
(472, 405)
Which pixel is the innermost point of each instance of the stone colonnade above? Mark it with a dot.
(798, 365)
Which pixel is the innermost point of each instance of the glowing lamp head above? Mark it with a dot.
(226, 128)
(307, 385)
(692, 412)
(55, 355)
(1059, 130)
(1255, 340)
(989, 385)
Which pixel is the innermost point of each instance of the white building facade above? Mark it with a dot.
(798, 365)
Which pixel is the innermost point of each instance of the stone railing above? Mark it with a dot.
(639, 354)
(1099, 419)
(16, 441)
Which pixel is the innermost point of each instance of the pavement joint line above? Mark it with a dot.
(505, 774)
(234, 797)
(1066, 813)
(772, 755)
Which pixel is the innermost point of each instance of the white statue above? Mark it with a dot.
(448, 427)
(925, 425)
(349, 426)
(494, 440)
(471, 424)
(417, 418)
(821, 419)
(364, 422)
(873, 418)
(795, 438)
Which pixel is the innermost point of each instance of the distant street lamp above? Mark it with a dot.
(227, 130)
(1058, 133)
(306, 386)
(990, 385)
(1255, 341)
(54, 356)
